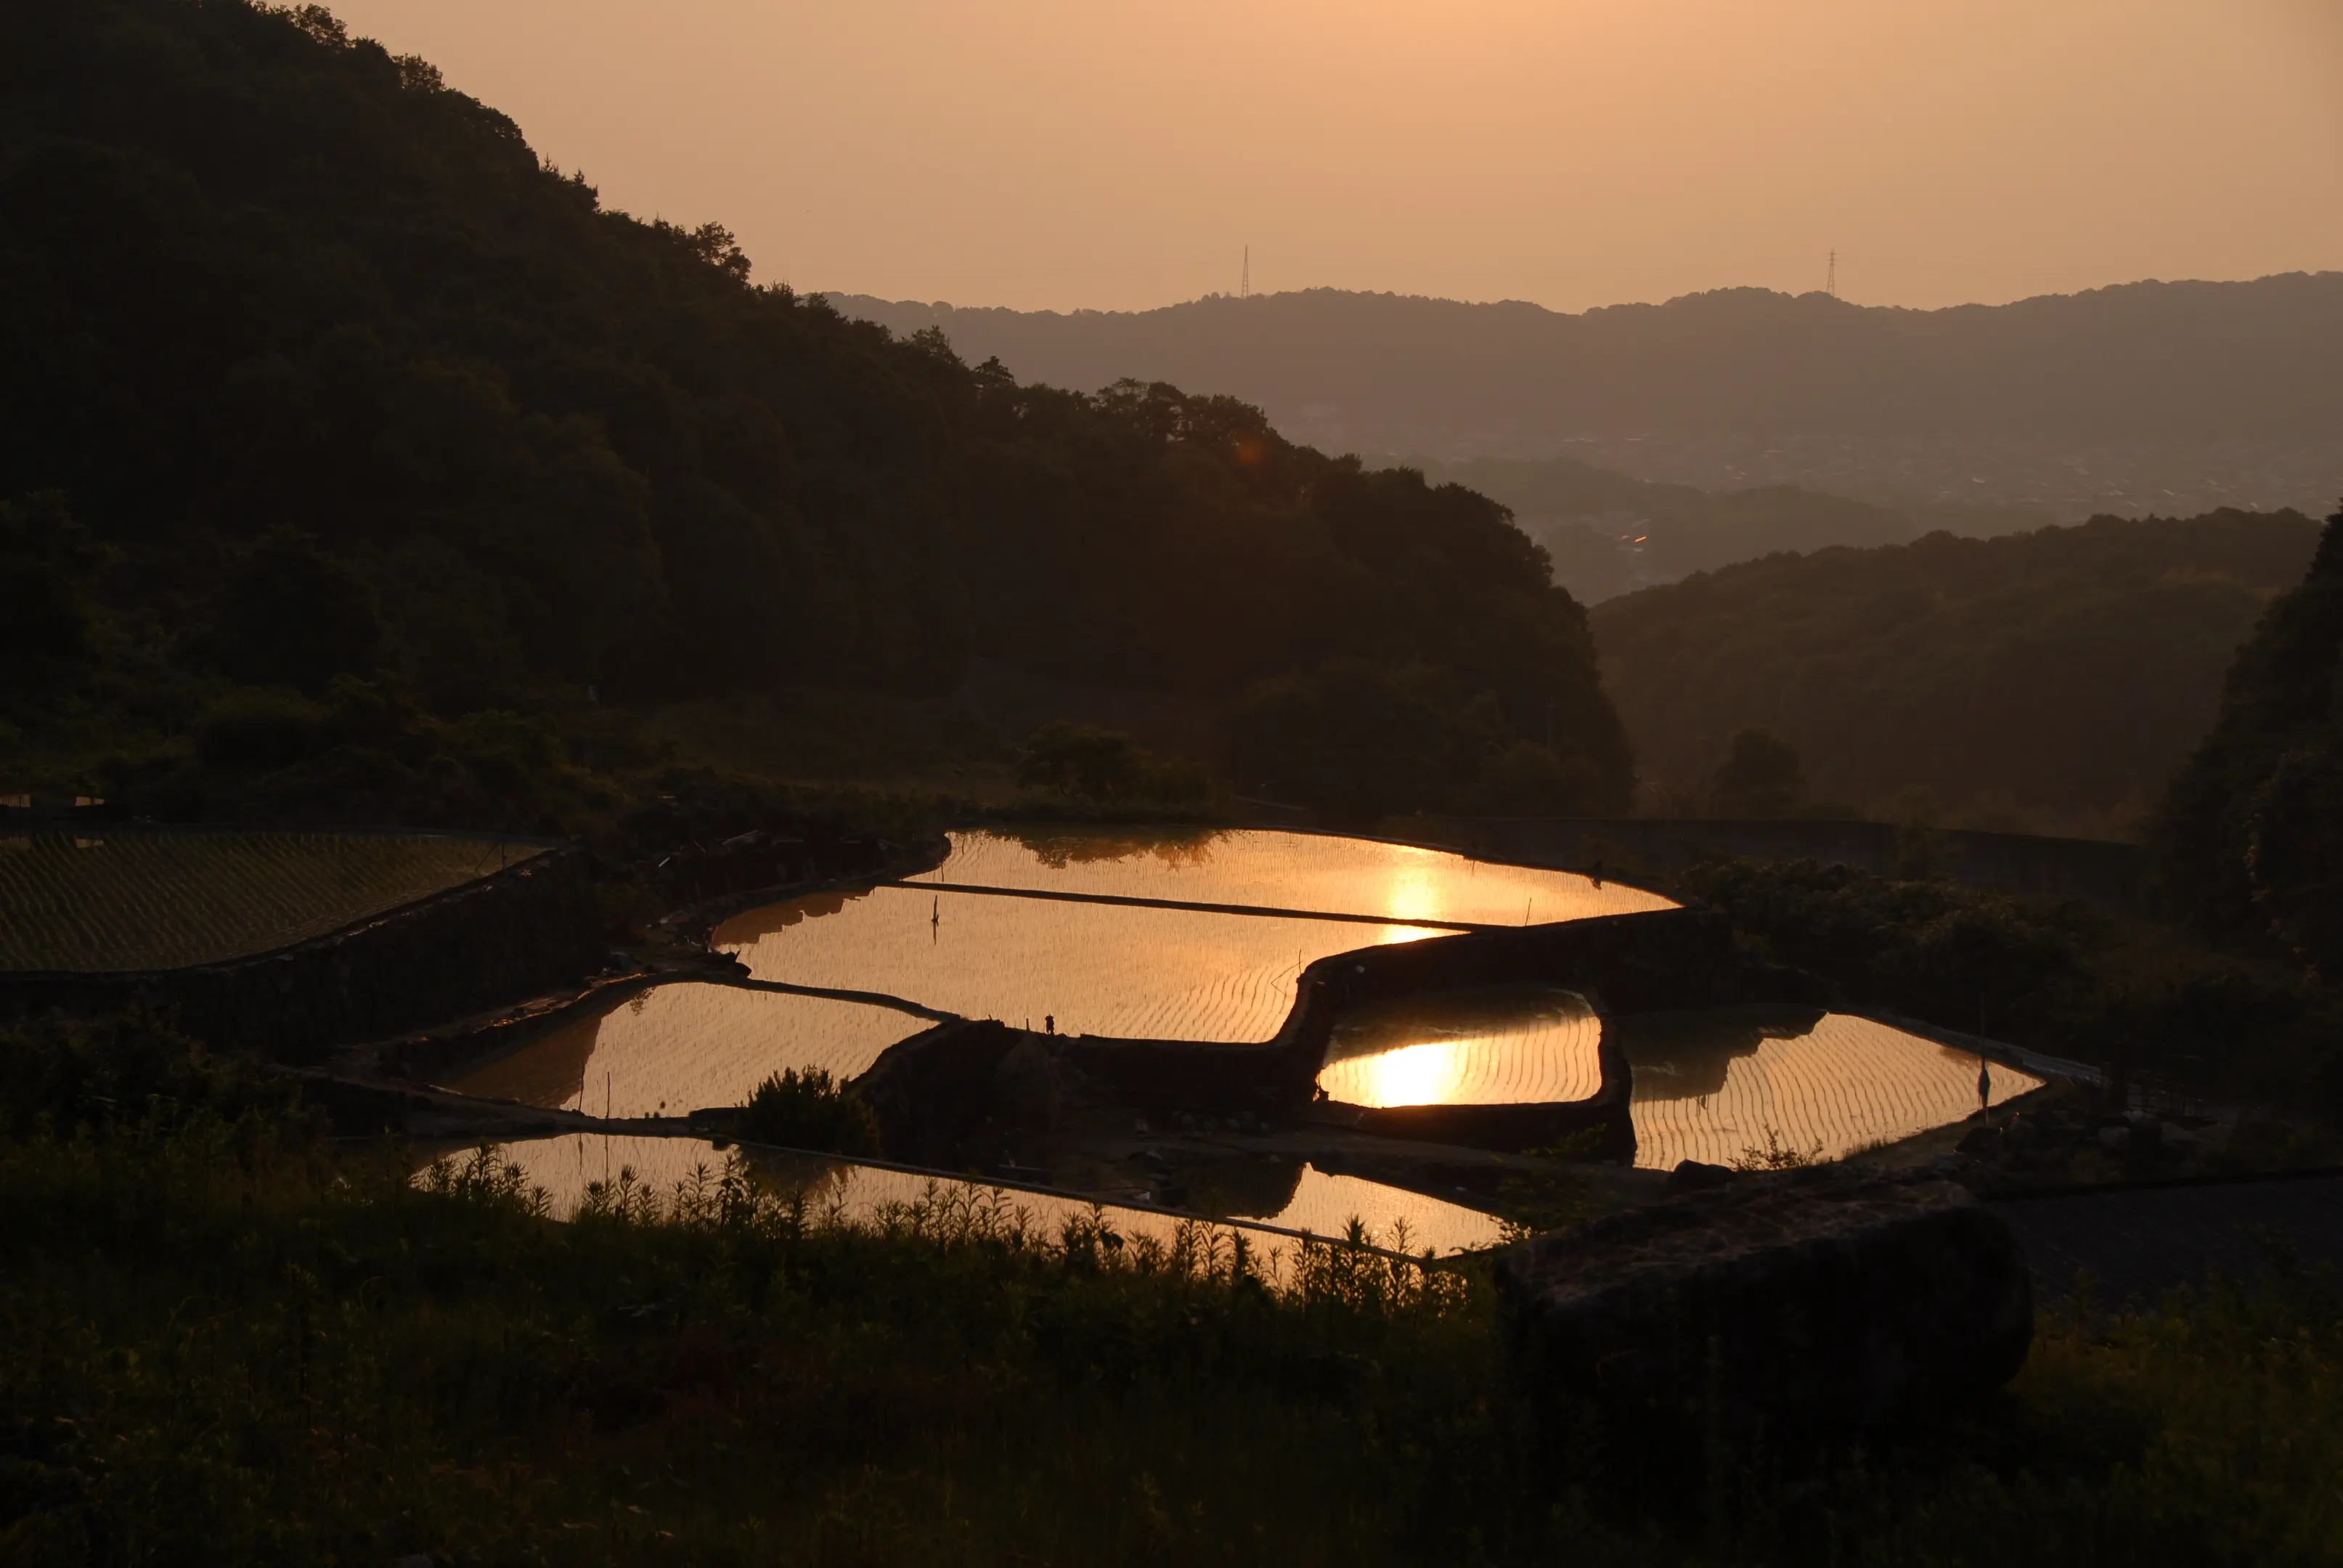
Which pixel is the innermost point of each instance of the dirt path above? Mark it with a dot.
(2136, 1242)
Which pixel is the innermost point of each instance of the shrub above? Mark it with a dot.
(1092, 764)
(1762, 777)
(808, 1111)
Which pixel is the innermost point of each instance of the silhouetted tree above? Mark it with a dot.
(2250, 835)
(1761, 776)
(293, 617)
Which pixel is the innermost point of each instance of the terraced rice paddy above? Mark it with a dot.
(126, 899)
(1322, 1203)
(1708, 1087)
(1712, 1090)
(1097, 969)
(676, 1049)
(1310, 872)
(1509, 1045)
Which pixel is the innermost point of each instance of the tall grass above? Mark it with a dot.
(219, 1342)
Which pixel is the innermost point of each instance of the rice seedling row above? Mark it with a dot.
(1094, 968)
(1544, 1051)
(1848, 1083)
(124, 898)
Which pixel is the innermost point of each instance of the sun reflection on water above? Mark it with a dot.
(1412, 1075)
(1496, 1045)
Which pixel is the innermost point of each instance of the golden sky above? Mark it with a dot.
(1114, 154)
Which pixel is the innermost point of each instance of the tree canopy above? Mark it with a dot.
(2250, 835)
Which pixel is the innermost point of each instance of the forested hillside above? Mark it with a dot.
(2067, 670)
(2251, 834)
(333, 416)
(1609, 533)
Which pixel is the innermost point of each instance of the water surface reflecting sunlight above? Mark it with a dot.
(1497, 1045)
(1097, 969)
(676, 1049)
(1312, 872)
(1708, 1087)
(1320, 1204)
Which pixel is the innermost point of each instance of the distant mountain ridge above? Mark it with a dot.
(2143, 395)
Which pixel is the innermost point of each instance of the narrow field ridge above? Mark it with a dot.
(1264, 912)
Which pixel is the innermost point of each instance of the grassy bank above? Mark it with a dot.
(221, 1342)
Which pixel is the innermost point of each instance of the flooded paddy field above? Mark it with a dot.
(1145, 972)
(675, 1049)
(117, 897)
(1281, 871)
(1713, 1088)
(1097, 969)
(1506, 1045)
(1710, 1087)
(1323, 1204)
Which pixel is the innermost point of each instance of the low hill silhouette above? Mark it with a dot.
(2060, 673)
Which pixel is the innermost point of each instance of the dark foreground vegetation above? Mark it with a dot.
(347, 441)
(222, 1341)
(2047, 679)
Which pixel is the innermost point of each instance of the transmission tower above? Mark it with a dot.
(1244, 278)
(1830, 283)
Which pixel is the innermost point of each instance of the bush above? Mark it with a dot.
(1762, 777)
(133, 1069)
(1105, 765)
(808, 1111)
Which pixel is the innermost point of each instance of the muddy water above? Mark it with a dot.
(1322, 1204)
(1283, 870)
(676, 1049)
(1502, 1045)
(1096, 969)
(1712, 1087)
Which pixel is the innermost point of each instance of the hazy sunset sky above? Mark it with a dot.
(1097, 152)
